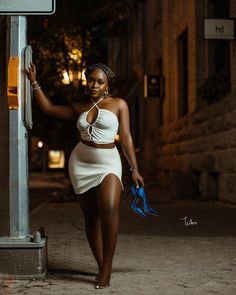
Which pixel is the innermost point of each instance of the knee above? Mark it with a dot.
(109, 211)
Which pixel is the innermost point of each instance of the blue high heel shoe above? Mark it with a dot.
(139, 194)
(134, 202)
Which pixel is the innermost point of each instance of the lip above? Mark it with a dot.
(93, 91)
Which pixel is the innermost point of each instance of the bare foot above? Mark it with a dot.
(103, 279)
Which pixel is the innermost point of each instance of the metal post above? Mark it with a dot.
(4, 135)
(22, 255)
(19, 216)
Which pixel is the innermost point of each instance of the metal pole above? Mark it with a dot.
(18, 189)
(22, 255)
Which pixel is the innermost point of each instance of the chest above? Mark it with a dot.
(101, 112)
(104, 119)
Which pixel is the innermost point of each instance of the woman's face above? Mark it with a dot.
(97, 84)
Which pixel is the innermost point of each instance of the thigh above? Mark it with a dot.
(88, 203)
(108, 193)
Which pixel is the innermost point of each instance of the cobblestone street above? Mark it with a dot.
(189, 249)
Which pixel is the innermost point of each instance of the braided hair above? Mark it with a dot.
(106, 70)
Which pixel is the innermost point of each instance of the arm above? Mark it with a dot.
(64, 112)
(127, 143)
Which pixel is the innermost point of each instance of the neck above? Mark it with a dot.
(96, 100)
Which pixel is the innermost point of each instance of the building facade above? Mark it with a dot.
(187, 133)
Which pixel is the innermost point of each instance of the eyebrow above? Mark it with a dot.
(99, 79)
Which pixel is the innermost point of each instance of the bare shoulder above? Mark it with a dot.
(121, 103)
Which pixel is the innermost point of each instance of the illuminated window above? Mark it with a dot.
(56, 159)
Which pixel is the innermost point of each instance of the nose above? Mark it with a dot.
(94, 85)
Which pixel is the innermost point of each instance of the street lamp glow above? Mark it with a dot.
(40, 144)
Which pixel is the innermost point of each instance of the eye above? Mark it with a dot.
(100, 82)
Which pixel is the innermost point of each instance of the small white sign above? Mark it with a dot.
(27, 7)
(219, 29)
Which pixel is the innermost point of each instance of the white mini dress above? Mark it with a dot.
(88, 165)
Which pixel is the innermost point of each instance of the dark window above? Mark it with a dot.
(183, 73)
(218, 50)
(160, 66)
(218, 8)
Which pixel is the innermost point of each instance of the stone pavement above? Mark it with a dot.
(189, 249)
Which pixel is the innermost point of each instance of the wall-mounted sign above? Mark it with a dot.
(153, 86)
(219, 29)
(27, 7)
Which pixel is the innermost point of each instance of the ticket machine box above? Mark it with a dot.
(25, 100)
(12, 85)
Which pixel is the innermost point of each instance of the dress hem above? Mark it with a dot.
(80, 192)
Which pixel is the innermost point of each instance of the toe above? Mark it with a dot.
(102, 286)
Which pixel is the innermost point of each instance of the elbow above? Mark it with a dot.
(48, 109)
(126, 140)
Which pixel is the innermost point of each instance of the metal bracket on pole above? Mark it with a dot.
(28, 95)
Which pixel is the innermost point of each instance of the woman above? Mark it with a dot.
(95, 165)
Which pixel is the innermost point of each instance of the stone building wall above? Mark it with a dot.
(195, 154)
(176, 17)
(233, 48)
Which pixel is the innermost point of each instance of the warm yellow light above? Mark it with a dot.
(83, 78)
(56, 159)
(66, 78)
(73, 76)
(76, 55)
(117, 138)
(40, 144)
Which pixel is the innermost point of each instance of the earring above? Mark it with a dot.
(85, 91)
(106, 93)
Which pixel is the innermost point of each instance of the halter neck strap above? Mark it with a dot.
(96, 103)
